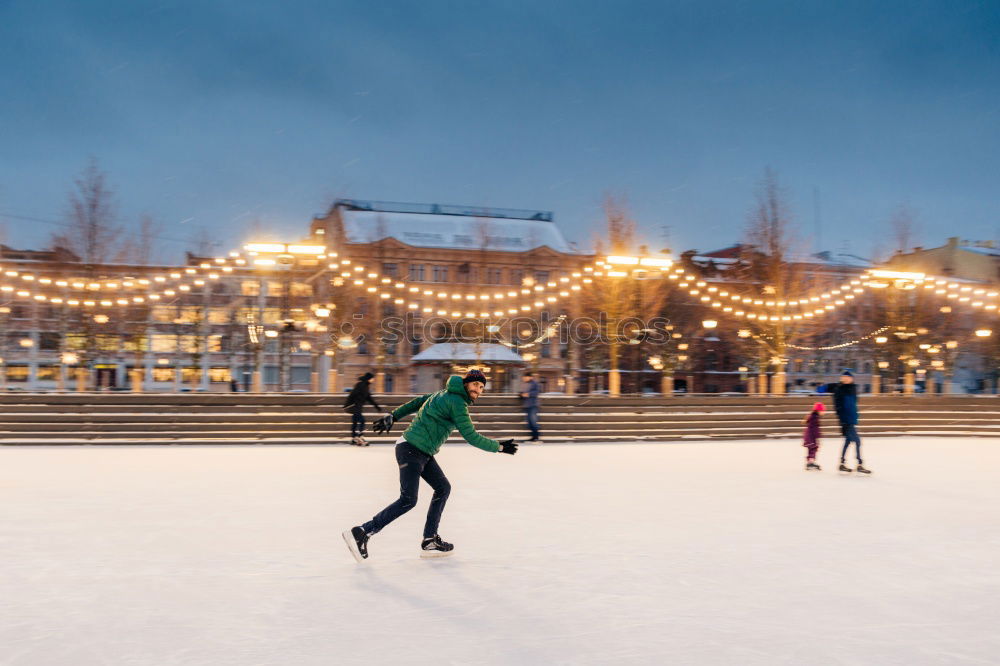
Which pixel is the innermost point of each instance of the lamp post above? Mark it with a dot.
(951, 353)
(877, 366)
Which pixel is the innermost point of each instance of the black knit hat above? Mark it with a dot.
(365, 377)
(474, 376)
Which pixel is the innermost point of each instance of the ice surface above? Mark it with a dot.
(665, 553)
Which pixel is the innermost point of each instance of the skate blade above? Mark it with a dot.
(352, 546)
(435, 554)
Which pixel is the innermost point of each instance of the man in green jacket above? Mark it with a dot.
(438, 414)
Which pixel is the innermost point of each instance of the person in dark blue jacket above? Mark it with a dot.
(355, 404)
(529, 403)
(845, 402)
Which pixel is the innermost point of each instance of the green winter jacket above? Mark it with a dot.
(438, 414)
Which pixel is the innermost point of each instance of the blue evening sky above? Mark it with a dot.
(236, 115)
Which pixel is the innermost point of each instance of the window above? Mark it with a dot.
(546, 350)
(516, 276)
(541, 277)
(47, 372)
(300, 289)
(163, 374)
(76, 341)
(250, 288)
(191, 344)
(390, 270)
(363, 347)
(215, 343)
(494, 276)
(190, 375)
(17, 373)
(219, 375)
(440, 273)
(108, 343)
(218, 316)
(19, 312)
(415, 346)
(163, 343)
(417, 272)
(270, 374)
(163, 313)
(301, 374)
(135, 343)
(49, 341)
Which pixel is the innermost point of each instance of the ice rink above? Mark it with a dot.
(666, 553)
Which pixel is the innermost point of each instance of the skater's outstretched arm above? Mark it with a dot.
(460, 417)
(409, 407)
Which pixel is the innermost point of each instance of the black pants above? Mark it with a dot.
(414, 465)
(850, 432)
(357, 424)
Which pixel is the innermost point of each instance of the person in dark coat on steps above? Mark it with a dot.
(845, 401)
(529, 404)
(355, 404)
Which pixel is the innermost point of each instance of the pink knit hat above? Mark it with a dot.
(819, 407)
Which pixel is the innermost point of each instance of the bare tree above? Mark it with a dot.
(202, 243)
(768, 272)
(610, 298)
(903, 228)
(92, 232)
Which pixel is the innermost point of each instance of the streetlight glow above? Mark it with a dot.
(264, 247)
(709, 323)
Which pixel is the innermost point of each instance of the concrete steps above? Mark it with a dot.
(150, 418)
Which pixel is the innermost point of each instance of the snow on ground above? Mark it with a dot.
(681, 553)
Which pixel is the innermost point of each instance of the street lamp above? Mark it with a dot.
(983, 333)
(709, 323)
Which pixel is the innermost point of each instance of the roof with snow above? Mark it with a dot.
(464, 352)
(452, 227)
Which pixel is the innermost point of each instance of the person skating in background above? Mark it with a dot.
(845, 402)
(438, 414)
(529, 403)
(810, 438)
(355, 404)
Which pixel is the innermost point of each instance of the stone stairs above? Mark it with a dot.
(165, 418)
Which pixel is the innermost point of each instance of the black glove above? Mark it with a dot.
(383, 424)
(508, 446)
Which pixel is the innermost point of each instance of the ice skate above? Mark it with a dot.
(356, 441)
(435, 547)
(362, 441)
(812, 466)
(844, 468)
(861, 469)
(357, 543)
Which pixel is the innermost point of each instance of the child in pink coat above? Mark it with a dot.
(810, 438)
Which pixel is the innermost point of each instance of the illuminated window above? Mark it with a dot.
(219, 375)
(163, 343)
(250, 288)
(163, 374)
(17, 373)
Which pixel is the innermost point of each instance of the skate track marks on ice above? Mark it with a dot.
(686, 553)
